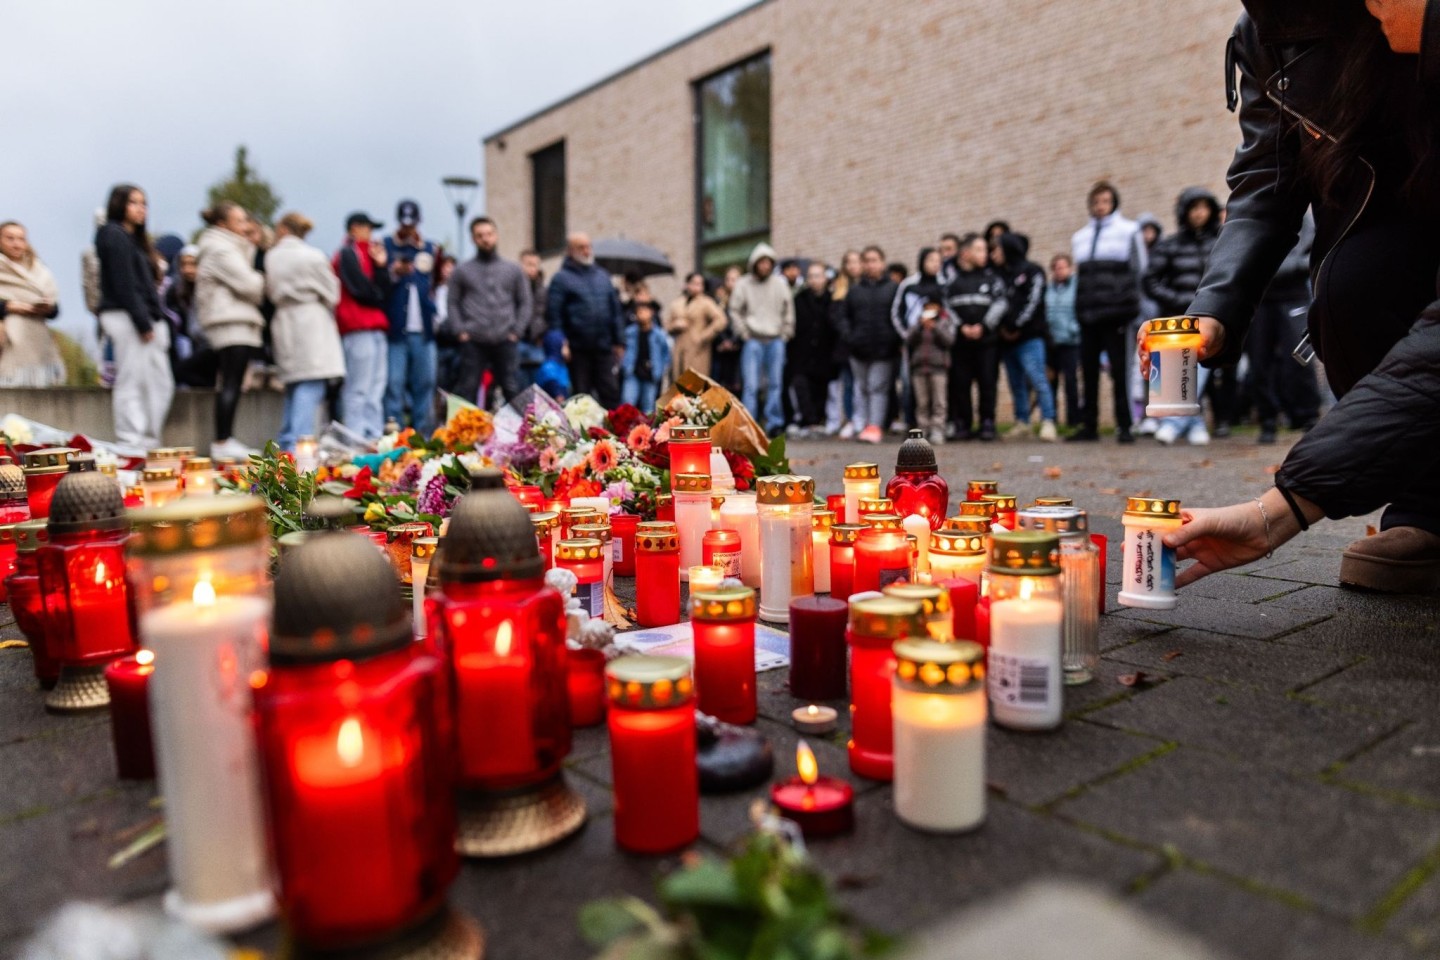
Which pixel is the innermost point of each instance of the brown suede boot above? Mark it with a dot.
(1398, 560)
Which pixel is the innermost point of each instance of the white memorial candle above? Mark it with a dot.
(938, 709)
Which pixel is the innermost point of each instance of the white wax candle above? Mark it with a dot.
(918, 527)
(599, 503)
(1149, 565)
(206, 761)
(740, 513)
(854, 491)
(785, 542)
(692, 520)
(939, 759)
(419, 573)
(1024, 669)
(820, 553)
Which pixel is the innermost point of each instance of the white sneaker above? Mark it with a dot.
(847, 432)
(793, 430)
(1048, 433)
(937, 438)
(1167, 433)
(1148, 427)
(1198, 435)
(231, 448)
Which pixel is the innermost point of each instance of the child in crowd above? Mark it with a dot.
(647, 358)
(929, 335)
(553, 374)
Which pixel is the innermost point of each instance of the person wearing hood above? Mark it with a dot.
(489, 311)
(583, 305)
(975, 296)
(29, 300)
(1335, 123)
(1151, 230)
(411, 356)
(308, 355)
(360, 315)
(1176, 265)
(1022, 333)
(763, 312)
(228, 292)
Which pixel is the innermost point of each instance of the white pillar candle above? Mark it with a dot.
(820, 555)
(919, 528)
(1025, 671)
(1149, 566)
(861, 480)
(741, 514)
(422, 551)
(786, 506)
(598, 503)
(692, 520)
(205, 652)
(938, 711)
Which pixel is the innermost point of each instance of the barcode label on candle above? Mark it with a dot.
(591, 597)
(1021, 682)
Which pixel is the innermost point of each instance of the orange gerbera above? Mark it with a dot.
(603, 457)
(640, 438)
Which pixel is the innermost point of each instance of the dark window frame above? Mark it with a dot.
(543, 243)
(698, 123)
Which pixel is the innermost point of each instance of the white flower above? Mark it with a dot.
(17, 429)
(470, 461)
(552, 420)
(583, 413)
(571, 458)
(430, 468)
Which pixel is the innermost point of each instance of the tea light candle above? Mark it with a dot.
(817, 647)
(1174, 344)
(861, 480)
(422, 552)
(724, 627)
(652, 754)
(705, 577)
(307, 455)
(1148, 574)
(820, 806)
(1026, 618)
(821, 522)
(939, 711)
(740, 513)
(815, 719)
(129, 682)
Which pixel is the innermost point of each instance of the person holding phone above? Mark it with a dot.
(364, 327)
(28, 302)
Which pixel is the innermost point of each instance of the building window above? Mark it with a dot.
(733, 160)
(547, 178)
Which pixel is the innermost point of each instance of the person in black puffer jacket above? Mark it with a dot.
(864, 325)
(1023, 331)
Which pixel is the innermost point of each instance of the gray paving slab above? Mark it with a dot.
(1417, 921)
(50, 772)
(1258, 663)
(1406, 764)
(1411, 612)
(1242, 588)
(1394, 685)
(1036, 768)
(1260, 621)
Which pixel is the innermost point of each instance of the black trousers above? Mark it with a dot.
(1095, 340)
(1064, 360)
(973, 364)
(594, 372)
(807, 396)
(232, 364)
(1281, 384)
(473, 359)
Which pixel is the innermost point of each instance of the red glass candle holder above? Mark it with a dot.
(1102, 547)
(532, 498)
(1005, 508)
(835, 503)
(721, 548)
(689, 449)
(657, 574)
(975, 490)
(875, 625)
(585, 680)
(917, 488)
(622, 530)
(652, 754)
(44, 470)
(665, 507)
(14, 502)
(882, 557)
(842, 559)
(820, 806)
(26, 601)
(817, 647)
(547, 535)
(128, 680)
(584, 557)
(964, 597)
(724, 625)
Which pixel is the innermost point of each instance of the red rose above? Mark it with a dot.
(363, 485)
(624, 418)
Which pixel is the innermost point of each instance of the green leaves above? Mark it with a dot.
(286, 492)
(775, 461)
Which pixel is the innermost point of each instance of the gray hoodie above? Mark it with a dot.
(763, 309)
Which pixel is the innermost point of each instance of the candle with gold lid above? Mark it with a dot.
(1054, 501)
(1026, 621)
(1005, 506)
(959, 549)
(875, 625)
(692, 514)
(689, 448)
(1149, 566)
(43, 470)
(199, 473)
(934, 606)
(547, 534)
(161, 485)
(861, 480)
(583, 556)
(869, 505)
(570, 516)
(882, 556)
(976, 489)
(652, 753)
(601, 532)
(1080, 586)
(657, 574)
(723, 622)
(978, 510)
(1174, 344)
(939, 710)
(785, 503)
(842, 558)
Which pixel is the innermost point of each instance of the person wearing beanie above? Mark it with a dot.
(410, 379)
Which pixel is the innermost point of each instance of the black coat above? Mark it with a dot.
(127, 277)
(1024, 292)
(1177, 262)
(812, 349)
(865, 320)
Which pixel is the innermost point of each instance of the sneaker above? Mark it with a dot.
(231, 449)
(937, 438)
(1048, 433)
(1222, 430)
(1147, 427)
(871, 434)
(1267, 433)
(987, 431)
(847, 432)
(1398, 560)
(1123, 435)
(794, 430)
(898, 426)
(1018, 431)
(1083, 436)
(1198, 435)
(1167, 433)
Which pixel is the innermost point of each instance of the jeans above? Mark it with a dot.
(501, 359)
(412, 362)
(640, 393)
(973, 363)
(594, 372)
(767, 358)
(874, 380)
(144, 384)
(931, 393)
(1093, 342)
(1065, 361)
(1183, 425)
(1025, 371)
(366, 360)
(303, 400)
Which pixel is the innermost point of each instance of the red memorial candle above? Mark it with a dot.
(982, 622)
(689, 449)
(820, 806)
(964, 595)
(917, 488)
(570, 517)
(1005, 508)
(817, 647)
(652, 754)
(721, 548)
(975, 490)
(842, 559)
(1102, 547)
(835, 503)
(26, 601)
(585, 682)
(882, 557)
(657, 574)
(43, 471)
(7, 556)
(532, 498)
(875, 625)
(128, 680)
(665, 507)
(547, 530)
(724, 625)
(584, 557)
(622, 529)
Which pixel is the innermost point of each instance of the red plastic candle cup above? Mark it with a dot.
(964, 596)
(1005, 508)
(622, 530)
(26, 601)
(875, 625)
(820, 806)
(128, 680)
(835, 503)
(842, 559)
(817, 647)
(975, 490)
(7, 556)
(724, 625)
(585, 558)
(982, 622)
(882, 557)
(665, 507)
(721, 548)
(547, 530)
(652, 754)
(689, 449)
(1102, 547)
(532, 498)
(44, 470)
(657, 574)
(585, 681)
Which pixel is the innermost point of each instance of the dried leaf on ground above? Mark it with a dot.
(1110, 491)
(1054, 473)
(1137, 679)
(1172, 655)
(1205, 464)
(1273, 469)
(996, 467)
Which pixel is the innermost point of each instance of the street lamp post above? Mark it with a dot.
(460, 191)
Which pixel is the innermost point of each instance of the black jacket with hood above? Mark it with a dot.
(1024, 291)
(1178, 262)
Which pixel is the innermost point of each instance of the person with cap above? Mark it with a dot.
(411, 308)
(364, 327)
(489, 310)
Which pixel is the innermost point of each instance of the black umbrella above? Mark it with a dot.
(621, 256)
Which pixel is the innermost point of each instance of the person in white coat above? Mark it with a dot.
(308, 354)
(228, 293)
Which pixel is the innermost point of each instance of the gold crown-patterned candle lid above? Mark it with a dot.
(821, 521)
(207, 523)
(592, 531)
(785, 489)
(1152, 507)
(881, 521)
(157, 474)
(889, 618)
(184, 453)
(664, 499)
(163, 453)
(690, 433)
(49, 460)
(1002, 501)
(690, 483)
(1063, 521)
(569, 516)
(876, 505)
(723, 605)
(984, 509)
(1172, 326)
(579, 550)
(862, 471)
(649, 683)
(423, 548)
(198, 464)
(1025, 553)
(980, 487)
(929, 666)
(934, 601)
(846, 533)
(657, 536)
(545, 521)
(1054, 501)
(959, 542)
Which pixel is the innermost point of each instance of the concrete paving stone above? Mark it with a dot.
(1417, 921)
(1107, 687)
(22, 703)
(1243, 722)
(1248, 925)
(1116, 632)
(775, 701)
(1399, 686)
(1261, 621)
(1340, 850)
(1036, 768)
(1257, 663)
(1407, 763)
(1416, 612)
(46, 773)
(1239, 587)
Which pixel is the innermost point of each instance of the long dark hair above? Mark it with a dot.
(115, 213)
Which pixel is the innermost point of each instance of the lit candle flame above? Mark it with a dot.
(805, 763)
(145, 657)
(812, 711)
(204, 594)
(504, 638)
(1027, 588)
(350, 742)
(100, 573)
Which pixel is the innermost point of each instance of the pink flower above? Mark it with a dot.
(640, 438)
(549, 461)
(662, 435)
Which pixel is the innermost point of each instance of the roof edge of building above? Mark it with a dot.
(611, 77)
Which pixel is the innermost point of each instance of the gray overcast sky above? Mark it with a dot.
(344, 104)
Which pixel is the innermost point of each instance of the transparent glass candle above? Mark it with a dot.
(161, 485)
(1174, 344)
(740, 513)
(785, 504)
(1080, 584)
(1026, 623)
(199, 477)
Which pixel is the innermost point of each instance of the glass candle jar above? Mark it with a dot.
(1174, 344)
(979, 510)
(959, 549)
(657, 574)
(1005, 507)
(692, 514)
(161, 485)
(917, 488)
(200, 569)
(934, 607)
(585, 558)
(821, 523)
(652, 754)
(690, 451)
(422, 555)
(975, 490)
(721, 548)
(842, 559)
(704, 576)
(861, 480)
(199, 477)
(741, 513)
(601, 532)
(817, 647)
(622, 544)
(938, 704)
(531, 497)
(167, 458)
(307, 455)
(717, 500)
(26, 601)
(1080, 585)
(352, 723)
(1026, 617)
(1148, 574)
(547, 534)
(882, 557)
(875, 625)
(397, 545)
(724, 625)
(14, 503)
(786, 503)
(43, 470)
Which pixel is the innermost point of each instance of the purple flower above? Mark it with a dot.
(619, 492)
(432, 499)
(409, 478)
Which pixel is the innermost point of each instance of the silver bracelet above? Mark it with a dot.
(1269, 541)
